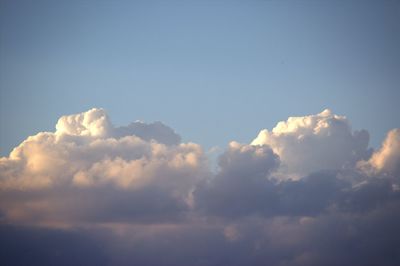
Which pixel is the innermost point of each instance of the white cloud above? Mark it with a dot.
(387, 158)
(93, 123)
(87, 152)
(314, 142)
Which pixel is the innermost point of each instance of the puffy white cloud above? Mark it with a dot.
(315, 142)
(84, 151)
(96, 123)
(93, 123)
(386, 160)
(172, 167)
(87, 153)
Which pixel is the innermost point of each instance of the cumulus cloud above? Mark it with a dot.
(241, 186)
(93, 123)
(308, 192)
(315, 142)
(386, 160)
(87, 155)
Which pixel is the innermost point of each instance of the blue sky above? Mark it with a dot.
(212, 70)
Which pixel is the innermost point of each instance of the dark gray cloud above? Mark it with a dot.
(43, 246)
(331, 239)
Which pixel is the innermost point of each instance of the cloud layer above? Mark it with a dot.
(308, 192)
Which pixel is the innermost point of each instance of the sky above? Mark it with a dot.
(200, 132)
(231, 66)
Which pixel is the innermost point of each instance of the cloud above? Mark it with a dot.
(331, 239)
(96, 123)
(241, 186)
(93, 123)
(87, 157)
(387, 159)
(43, 246)
(309, 192)
(315, 142)
(234, 195)
(155, 131)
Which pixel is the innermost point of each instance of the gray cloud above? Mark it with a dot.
(155, 131)
(241, 187)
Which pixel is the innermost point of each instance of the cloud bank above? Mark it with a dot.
(308, 192)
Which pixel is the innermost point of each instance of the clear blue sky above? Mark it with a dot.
(214, 71)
